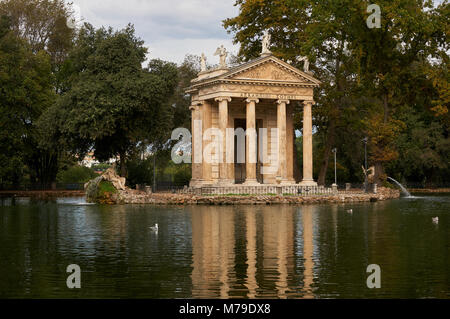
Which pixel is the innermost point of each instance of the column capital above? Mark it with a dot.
(252, 99)
(195, 105)
(281, 101)
(222, 98)
(309, 102)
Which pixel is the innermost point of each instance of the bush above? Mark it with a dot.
(76, 174)
(140, 172)
(105, 187)
(182, 176)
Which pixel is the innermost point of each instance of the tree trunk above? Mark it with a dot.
(379, 173)
(333, 117)
(379, 170)
(326, 154)
(123, 168)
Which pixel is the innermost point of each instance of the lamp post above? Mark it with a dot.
(335, 186)
(154, 171)
(335, 171)
(365, 140)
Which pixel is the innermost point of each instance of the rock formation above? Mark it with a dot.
(95, 194)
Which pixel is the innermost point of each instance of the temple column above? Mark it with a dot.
(197, 144)
(206, 125)
(223, 124)
(251, 155)
(307, 145)
(281, 125)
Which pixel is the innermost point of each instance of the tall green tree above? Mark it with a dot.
(114, 105)
(26, 90)
(369, 75)
(42, 26)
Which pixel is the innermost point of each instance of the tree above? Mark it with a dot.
(26, 87)
(113, 105)
(41, 28)
(187, 71)
(42, 24)
(319, 30)
(365, 72)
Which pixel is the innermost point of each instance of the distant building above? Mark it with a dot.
(89, 160)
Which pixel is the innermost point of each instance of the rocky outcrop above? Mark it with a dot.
(105, 188)
(91, 189)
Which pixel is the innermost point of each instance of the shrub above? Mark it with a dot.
(76, 174)
(182, 177)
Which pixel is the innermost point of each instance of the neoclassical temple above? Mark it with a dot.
(257, 98)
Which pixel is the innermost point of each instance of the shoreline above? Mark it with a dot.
(429, 190)
(159, 199)
(136, 197)
(42, 194)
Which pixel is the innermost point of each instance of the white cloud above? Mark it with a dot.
(175, 49)
(170, 28)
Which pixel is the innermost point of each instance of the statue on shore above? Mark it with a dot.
(111, 176)
(222, 53)
(203, 63)
(266, 43)
(306, 65)
(370, 173)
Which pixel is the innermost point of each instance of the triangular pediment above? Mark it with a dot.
(270, 69)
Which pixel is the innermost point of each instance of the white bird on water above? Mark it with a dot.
(435, 220)
(154, 228)
(350, 211)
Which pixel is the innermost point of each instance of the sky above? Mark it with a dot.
(170, 28)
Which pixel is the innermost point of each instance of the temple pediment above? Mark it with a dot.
(270, 69)
(266, 77)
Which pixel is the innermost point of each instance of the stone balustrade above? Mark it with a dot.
(260, 190)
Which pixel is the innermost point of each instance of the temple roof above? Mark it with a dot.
(265, 70)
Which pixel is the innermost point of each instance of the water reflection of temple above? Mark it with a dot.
(308, 250)
(213, 251)
(268, 249)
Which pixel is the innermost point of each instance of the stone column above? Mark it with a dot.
(307, 145)
(197, 147)
(223, 124)
(251, 137)
(207, 124)
(281, 125)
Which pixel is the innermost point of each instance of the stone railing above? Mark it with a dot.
(260, 190)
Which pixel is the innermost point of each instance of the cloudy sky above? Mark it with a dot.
(170, 28)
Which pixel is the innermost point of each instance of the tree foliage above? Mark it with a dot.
(371, 76)
(112, 104)
(26, 90)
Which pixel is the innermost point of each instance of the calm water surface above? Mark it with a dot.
(225, 252)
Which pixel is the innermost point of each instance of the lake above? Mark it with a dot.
(317, 251)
